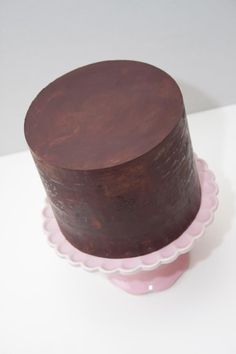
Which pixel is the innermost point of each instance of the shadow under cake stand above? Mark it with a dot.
(155, 271)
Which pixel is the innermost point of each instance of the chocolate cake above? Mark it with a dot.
(111, 144)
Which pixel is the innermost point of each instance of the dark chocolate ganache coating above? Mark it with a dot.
(111, 143)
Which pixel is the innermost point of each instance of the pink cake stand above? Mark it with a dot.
(155, 271)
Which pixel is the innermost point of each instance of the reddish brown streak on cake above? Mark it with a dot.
(112, 146)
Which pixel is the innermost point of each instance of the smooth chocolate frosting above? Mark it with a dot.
(112, 146)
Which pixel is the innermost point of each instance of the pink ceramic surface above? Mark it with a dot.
(149, 262)
(155, 280)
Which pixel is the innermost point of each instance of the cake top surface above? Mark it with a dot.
(103, 114)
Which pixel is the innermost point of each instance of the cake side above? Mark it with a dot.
(129, 210)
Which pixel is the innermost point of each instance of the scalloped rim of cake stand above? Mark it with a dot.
(151, 261)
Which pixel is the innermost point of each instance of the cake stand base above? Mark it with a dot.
(152, 272)
(155, 280)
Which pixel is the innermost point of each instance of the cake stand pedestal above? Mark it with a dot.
(154, 280)
(156, 271)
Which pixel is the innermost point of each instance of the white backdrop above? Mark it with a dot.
(40, 40)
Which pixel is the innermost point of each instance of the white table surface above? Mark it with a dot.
(48, 306)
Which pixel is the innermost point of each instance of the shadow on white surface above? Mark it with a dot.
(195, 99)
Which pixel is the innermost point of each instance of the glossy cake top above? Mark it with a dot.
(103, 114)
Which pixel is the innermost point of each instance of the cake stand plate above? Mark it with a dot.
(155, 271)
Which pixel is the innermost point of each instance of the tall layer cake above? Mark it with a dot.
(111, 144)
